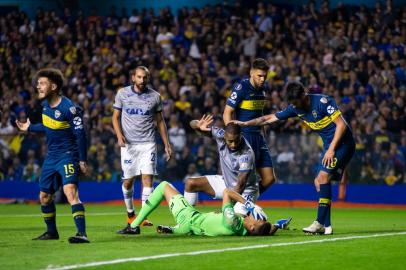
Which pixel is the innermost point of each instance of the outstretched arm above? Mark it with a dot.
(260, 121)
(202, 125)
(228, 114)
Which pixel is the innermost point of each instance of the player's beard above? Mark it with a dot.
(140, 86)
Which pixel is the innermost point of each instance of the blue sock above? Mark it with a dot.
(78, 212)
(324, 203)
(49, 215)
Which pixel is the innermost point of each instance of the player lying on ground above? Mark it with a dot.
(320, 113)
(192, 222)
(237, 163)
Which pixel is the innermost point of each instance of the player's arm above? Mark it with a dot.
(231, 197)
(202, 125)
(27, 126)
(75, 119)
(241, 182)
(260, 121)
(228, 114)
(338, 134)
(117, 127)
(246, 165)
(164, 134)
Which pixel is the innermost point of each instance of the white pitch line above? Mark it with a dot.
(65, 215)
(199, 252)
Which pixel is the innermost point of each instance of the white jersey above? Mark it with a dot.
(138, 113)
(234, 162)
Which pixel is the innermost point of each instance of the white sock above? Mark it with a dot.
(128, 198)
(146, 191)
(191, 197)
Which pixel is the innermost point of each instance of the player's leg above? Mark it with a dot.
(147, 189)
(78, 213)
(194, 185)
(47, 189)
(263, 164)
(163, 191)
(267, 178)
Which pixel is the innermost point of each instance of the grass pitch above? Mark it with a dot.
(288, 249)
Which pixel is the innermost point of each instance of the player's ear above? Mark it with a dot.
(53, 86)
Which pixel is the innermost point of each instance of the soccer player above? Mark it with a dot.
(137, 108)
(66, 140)
(191, 221)
(320, 113)
(247, 101)
(237, 165)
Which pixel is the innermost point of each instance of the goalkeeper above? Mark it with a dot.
(192, 222)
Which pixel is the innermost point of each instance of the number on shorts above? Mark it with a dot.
(69, 169)
(333, 164)
(153, 156)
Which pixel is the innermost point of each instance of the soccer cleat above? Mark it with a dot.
(129, 230)
(283, 223)
(328, 230)
(47, 236)
(164, 229)
(78, 239)
(314, 228)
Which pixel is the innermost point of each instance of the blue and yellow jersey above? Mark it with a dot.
(64, 130)
(320, 117)
(247, 102)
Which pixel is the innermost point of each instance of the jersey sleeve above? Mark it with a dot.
(246, 162)
(75, 119)
(328, 107)
(36, 128)
(118, 103)
(231, 220)
(286, 113)
(236, 96)
(158, 107)
(217, 133)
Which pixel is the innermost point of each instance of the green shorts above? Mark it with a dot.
(183, 213)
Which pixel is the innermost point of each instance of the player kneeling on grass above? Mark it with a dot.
(192, 222)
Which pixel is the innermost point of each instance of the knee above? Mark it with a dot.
(45, 198)
(321, 179)
(72, 196)
(190, 185)
(128, 184)
(268, 181)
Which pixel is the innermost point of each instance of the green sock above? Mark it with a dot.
(153, 201)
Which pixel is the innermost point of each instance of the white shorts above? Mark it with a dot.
(138, 159)
(218, 185)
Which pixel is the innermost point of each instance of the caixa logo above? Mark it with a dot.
(128, 161)
(137, 111)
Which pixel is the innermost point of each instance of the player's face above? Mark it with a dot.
(233, 141)
(258, 77)
(140, 78)
(252, 224)
(45, 87)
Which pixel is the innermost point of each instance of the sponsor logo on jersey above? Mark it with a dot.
(57, 114)
(128, 161)
(238, 86)
(323, 100)
(77, 121)
(137, 111)
(330, 109)
(233, 96)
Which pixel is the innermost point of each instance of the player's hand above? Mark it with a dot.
(205, 121)
(83, 167)
(121, 140)
(23, 126)
(328, 158)
(168, 152)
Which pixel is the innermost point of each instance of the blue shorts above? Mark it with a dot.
(342, 157)
(57, 172)
(260, 148)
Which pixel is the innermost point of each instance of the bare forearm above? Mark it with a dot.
(263, 120)
(338, 134)
(117, 126)
(163, 132)
(230, 196)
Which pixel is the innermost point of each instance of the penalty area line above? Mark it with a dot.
(200, 252)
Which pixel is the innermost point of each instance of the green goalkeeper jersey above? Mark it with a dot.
(218, 224)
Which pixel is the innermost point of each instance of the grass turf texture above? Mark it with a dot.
(20, 223)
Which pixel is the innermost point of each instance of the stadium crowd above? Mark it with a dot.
(353, 53)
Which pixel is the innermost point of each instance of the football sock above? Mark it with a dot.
(128, 198)
(49, 215)
(191, 197)
(153, 201)
(78, 213)
(324, 202)
(146, 191)
(130, 217)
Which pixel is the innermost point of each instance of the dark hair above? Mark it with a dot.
(260, 64)
(264, 229)
(233, 129)
(53, 75)
(294, 91)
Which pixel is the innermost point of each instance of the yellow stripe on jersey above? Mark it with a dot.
(324, 122)
(54, 124)
(252, 104)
